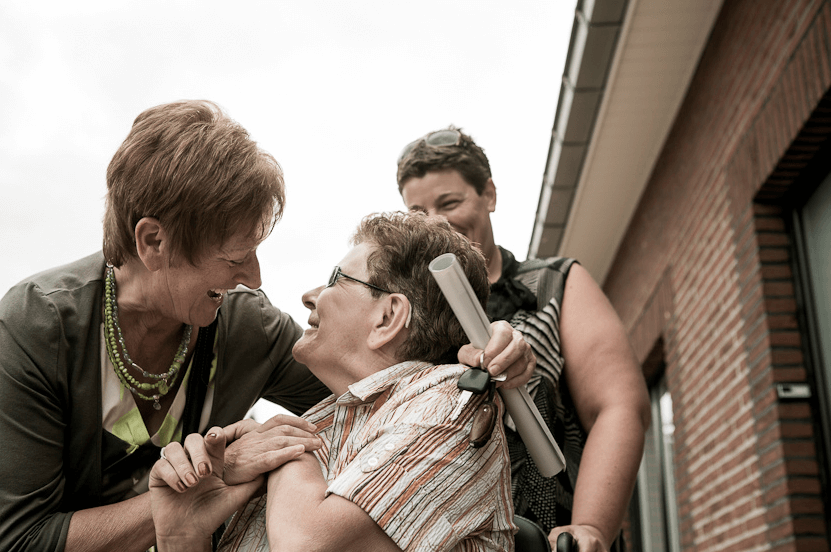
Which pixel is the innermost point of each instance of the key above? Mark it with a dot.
(484, 421)
(474, 381)
(464, 397)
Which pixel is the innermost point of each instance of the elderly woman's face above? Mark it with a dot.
(197, 292)
(340, 321)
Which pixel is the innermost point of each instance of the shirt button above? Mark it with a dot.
(389, 446)
(372, 462)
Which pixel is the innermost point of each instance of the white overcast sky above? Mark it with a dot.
(333, 89)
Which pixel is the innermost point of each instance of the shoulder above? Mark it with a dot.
(425, 396)
(557, 264)
(250, 309)
(67, 290)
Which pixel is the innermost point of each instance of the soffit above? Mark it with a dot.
(628, 69)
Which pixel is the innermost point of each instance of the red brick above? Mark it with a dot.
(726, 261)
(776, 271)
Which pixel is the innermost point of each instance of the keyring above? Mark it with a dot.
(161, 454)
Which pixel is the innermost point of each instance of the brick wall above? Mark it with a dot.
(707, 267)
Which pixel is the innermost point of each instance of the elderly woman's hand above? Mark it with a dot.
(506, 353)
(188, 497)
(256, 448)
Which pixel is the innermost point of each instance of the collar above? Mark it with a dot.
(366, 389)
(509, 264)
(508, 295)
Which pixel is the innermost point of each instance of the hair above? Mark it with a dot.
(405, 244)
(199, 173)
(466, 157)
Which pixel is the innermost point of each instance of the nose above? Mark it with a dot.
(435, 213)
(310, 298)
(249, 273)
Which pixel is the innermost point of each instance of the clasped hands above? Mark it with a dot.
(197, 486)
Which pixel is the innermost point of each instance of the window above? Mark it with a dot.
(812, 224)
(654, 515)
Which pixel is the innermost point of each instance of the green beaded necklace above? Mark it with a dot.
(112, 332)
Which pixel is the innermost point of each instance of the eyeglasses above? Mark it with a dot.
(446, 137)
(337, 273)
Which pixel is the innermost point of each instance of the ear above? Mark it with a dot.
(392, 320)
(489, 193)
(150, 243)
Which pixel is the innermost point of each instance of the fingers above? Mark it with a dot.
(196, 450)
(469, 355)
(586, 538)
(175, 468)
(243, 427)
(163, 474)
(181, 467)
(506, 353)
(289, 420)
(254, 458)
(520, 371)
(277, 458)
(240, 428)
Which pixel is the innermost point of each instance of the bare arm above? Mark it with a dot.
(301, 517)
(612, 403)
(124, 526)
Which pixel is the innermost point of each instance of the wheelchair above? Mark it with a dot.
(531, 538)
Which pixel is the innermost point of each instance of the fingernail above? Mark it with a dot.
(191, 479)
(180, 487)
(203, 469)
(212, 435)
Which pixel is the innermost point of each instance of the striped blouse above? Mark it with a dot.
(391, 447)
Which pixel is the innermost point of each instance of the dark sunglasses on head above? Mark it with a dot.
(446, 137)
(338, 273)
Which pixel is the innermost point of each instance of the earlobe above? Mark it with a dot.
(150, 237)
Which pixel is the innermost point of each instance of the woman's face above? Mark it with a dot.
(447, 194)
(195, 293)
(340, 322)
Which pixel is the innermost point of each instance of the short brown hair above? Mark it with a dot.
(199, 173)
(406, 243)
(466, 157)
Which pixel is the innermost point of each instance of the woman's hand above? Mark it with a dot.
(587, 538)
(255, 449)
(506, 353)
(188, 496)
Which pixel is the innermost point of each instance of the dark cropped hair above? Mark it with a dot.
(406, 243)
(466, 157)
(199, 173)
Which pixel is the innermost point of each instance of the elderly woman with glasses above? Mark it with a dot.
(107, 359)
(398, 467)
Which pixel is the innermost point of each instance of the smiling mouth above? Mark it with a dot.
(216, 295)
